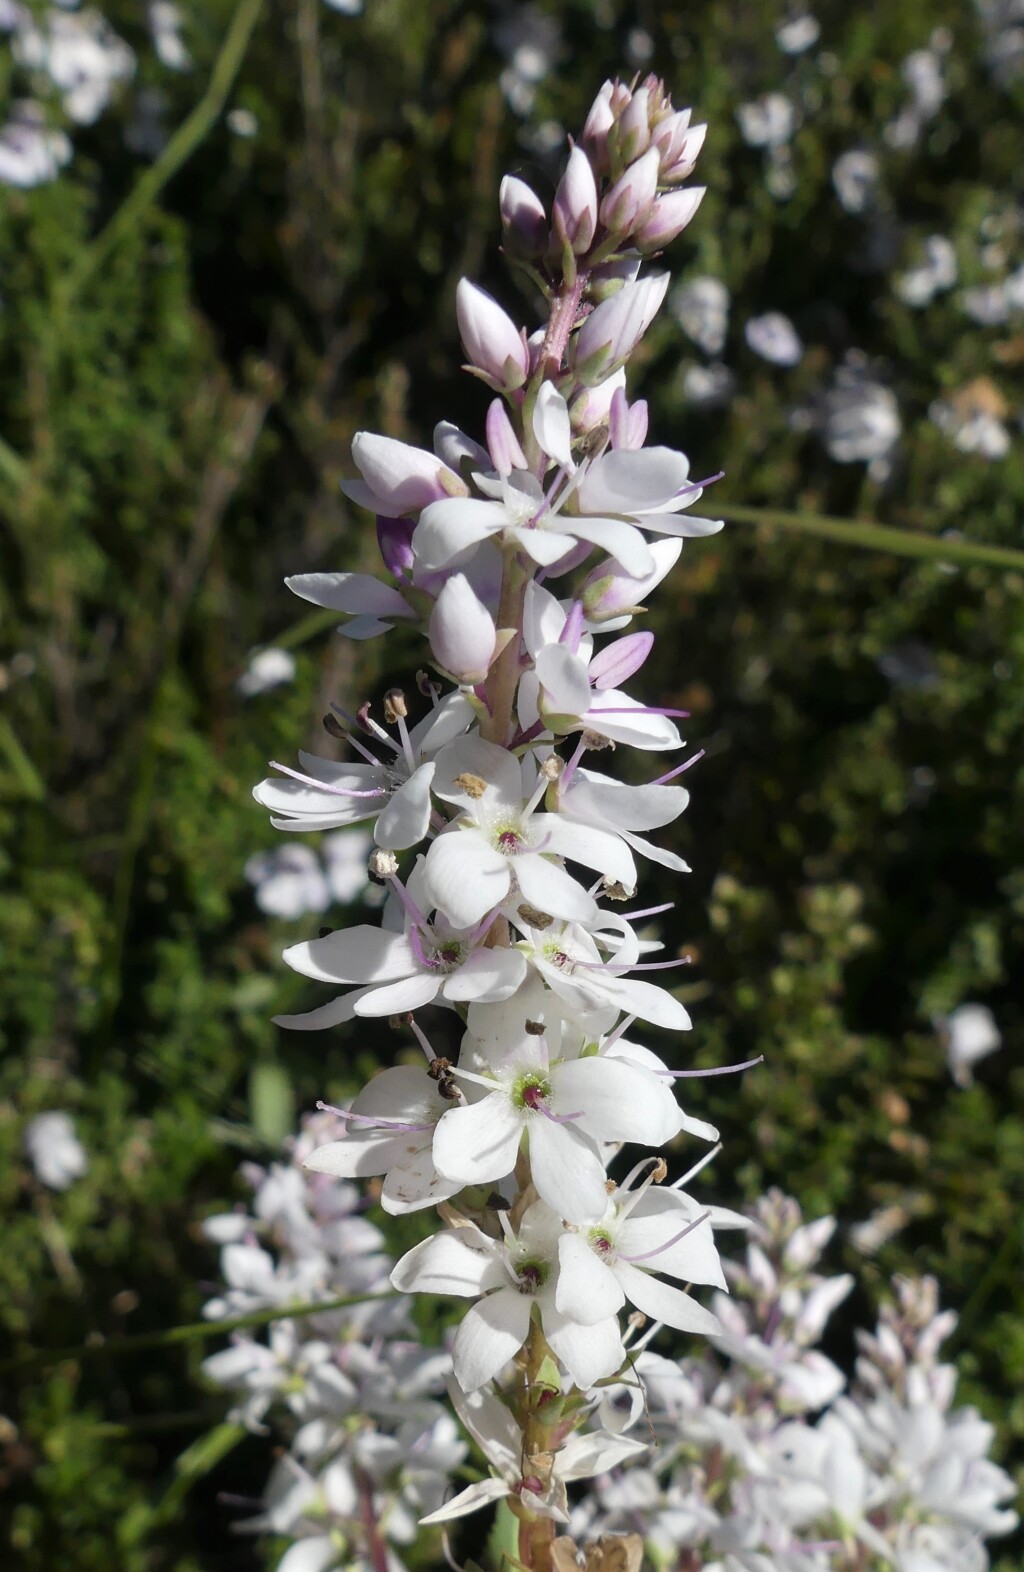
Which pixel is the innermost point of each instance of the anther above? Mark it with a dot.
(333, 727)
(473, 785)
(395, 707)
(535, 1028)
(382, 866)
(535, 918)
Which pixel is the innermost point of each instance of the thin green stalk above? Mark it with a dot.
(192, 1332)
(188, 137)
(878, 537)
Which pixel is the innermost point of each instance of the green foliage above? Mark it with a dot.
(173, 429)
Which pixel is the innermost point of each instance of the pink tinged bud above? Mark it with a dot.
(627, 423)
(682, 165)
(502, 442)
(617, 662)
(633, 133)
(599, 122)
(575, 209)
(669, 135)
(461, 632)
(591, 406)
(394, 537)
(493, 343)
(629, 202)
(669, 217)
(523, 219)
(611, 333)
(610, 592)
(398, 478)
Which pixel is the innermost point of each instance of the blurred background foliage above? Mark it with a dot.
(179, 392)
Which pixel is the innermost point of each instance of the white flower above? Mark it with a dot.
(398, 972)
(82, 55)
(267, 669)
(345, 856)
(54, 1150)
(708, 387)
(642, 1231)
(508, 1278)
(30, 152)
(567, 1106)
(568, 960)
(970, 1033)
(391, 1131)
(862, 420)
(501, 848)
(289, 882)
(767, 121)
(165, 22)
(855, 176)
(936, 272)
(325, 795)
(701, 307)
(774, 338)
(802, 33)
(539, 1484)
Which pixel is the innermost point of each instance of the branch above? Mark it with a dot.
(878, 537)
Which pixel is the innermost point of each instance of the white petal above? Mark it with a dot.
(591, 1452)
(447, 1264)
(687, 525)
(475, 756)
(611, 802)
(633, 481)
(550, 889)
(616, 715)
(545, 546)
(465, 877)
(563, 676)
(361, 1155)
(664, 1303)
(447, 529)
(310, 1555)
(586, 1291)
(489, 976)
(658, 854)
(567, 1171)
(356, 594)
(353, 955)
(412, 1180)
(551, 424)
(409, 993)
(404, 821)
(469, 1500)
(589, 1353)
(593, 847)
(490, 1334)
(543, 618)
(336, 1013)
(486, 1418)
(622, 541)
(646, 1000)
(693, 1259)
(620, 1101)
(478, 1143)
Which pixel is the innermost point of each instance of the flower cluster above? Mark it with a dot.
(522, 560)
(765, 1464)
(372, 1449)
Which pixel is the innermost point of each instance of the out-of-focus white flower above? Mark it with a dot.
(31, 153)
(289, 881)
(774, 338)
(267, 669)
(531, 42)
(346, 7)
(767, 121)
(855, 177)
(801, 33)
(862, 418)
(242, 122)
(919, 285)
(708, 387)
(869, 1237)
(980, 433)
(54, 1150)
(83, 57)
(985, 304)
(165, 23)
(701, 307)
(970, 1033)
(345, 854)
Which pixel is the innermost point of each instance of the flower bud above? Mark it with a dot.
(394, 537)
(632, 135)
(591, 406)
(461, 632)
(594, 136)
(668, 218)
(575, 209)
(502, 442)
(629, 202)
(610, 592)
(681, 166)
(523, 219)
(493, 343)
(627, 423)
(611, 333)
(399, 478)
(669, 135)
(617, 662)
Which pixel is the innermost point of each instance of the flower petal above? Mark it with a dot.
(664, 1303)
(469, 1500)
(479, 1142)
(336, 1013)
(594, 848)
(356, 594)
(587, 1291)
(447, 1263)
(448, 529)
(353, 955)
(620, 1101)
(398, 997)
(465, 876)
(490, 1334)
(550, 889)
(566, 1170)
(404, 821)
(589, 1353)
(489, 976)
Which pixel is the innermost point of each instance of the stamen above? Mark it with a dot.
(622, 1027)
(663, 780)
(573, 765)
(649, 911)
(720, 1069)
(422, 1038)
(691, 1173)
(410, 907)
(403, 732)
(375, 1121)
(647, 1255)
(644, 709)
(334, 791)
(352, 723)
